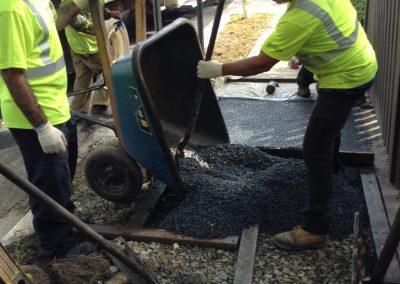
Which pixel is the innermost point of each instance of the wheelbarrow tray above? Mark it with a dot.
(155, 88)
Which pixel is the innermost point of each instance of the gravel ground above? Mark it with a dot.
(195, 265)
(231, 187)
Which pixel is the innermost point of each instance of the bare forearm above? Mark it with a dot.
(65, 13)
(249, 66)
(23, 95)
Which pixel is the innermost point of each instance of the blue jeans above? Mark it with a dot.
(320, 148)
(52, 174)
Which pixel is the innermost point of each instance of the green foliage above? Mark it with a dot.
(22, 252)
(360, 6)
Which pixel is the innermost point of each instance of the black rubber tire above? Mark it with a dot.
(113, 175)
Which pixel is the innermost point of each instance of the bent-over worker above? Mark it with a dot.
(330, 42)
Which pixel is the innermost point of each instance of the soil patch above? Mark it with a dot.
(238, 37)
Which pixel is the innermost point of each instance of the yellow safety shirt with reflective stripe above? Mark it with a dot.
(29, 41)
(328, 39)
(80, 42)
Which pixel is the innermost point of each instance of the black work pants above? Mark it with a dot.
(53, 175)
(304, 78)
(320, 147)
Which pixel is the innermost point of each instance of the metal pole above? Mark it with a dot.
(200, 25)
(157, 15)
(388, 251)
(82, 227)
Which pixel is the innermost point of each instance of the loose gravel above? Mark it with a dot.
(196, 265)
(231, 187)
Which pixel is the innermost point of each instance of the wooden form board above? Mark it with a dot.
(162, 236)
(379, 223)
(146, 204)
(246, 256)
(359, 159)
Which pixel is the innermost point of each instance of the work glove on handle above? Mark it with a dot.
(51, 139)
(209, 69)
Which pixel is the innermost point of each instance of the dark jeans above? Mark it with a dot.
(52, 174)
(304, 78)
(320, 147)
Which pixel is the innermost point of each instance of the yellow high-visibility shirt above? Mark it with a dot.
(328, 39)
(81, 42)
(29, 41)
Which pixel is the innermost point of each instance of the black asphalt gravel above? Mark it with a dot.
(283, 123)
(232, 186)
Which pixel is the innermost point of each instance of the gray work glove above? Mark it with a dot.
(209, 69)
(51, 139)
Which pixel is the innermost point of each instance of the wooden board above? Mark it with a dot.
(379, 223)
(146, 203)
(246, 256)
(359, 159)
(162, 236)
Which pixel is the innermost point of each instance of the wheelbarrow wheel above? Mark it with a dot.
(113, 175)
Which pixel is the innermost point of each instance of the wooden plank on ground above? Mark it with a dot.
(358, 159)
(246, 256)
(146, 203)
(379, 223)
(162, 236)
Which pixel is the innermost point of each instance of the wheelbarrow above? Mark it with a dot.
(154, 90)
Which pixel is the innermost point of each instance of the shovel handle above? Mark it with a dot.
(199, 96)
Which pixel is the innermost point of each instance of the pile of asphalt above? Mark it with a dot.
(231, 187)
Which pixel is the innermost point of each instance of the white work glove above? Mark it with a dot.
(51, 139)
(82, 4)
(209, 69)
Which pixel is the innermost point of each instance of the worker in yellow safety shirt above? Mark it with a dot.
(34, 105)
(87, 63)
(330, 42)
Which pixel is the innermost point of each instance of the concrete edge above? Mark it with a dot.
(22, 229)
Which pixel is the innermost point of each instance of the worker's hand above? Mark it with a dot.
(294, 63)
(51, 139)
(209, 69)
(115, 15)
(82, 4)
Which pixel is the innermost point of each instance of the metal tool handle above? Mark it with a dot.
(81, 226)
(197, 102)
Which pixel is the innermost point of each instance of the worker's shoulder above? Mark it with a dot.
(12, 6)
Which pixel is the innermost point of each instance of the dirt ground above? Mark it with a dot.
(237, 38)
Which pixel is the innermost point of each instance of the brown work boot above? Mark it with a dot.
(303, 92)
(298, 239)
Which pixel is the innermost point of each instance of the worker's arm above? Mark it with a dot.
(68, 10)
(23, 96)
(250, 66)
(50, 138)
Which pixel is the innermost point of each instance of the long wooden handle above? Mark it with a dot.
(96, 11)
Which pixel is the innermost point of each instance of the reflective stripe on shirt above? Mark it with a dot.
(50, 66)
(332, 30)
